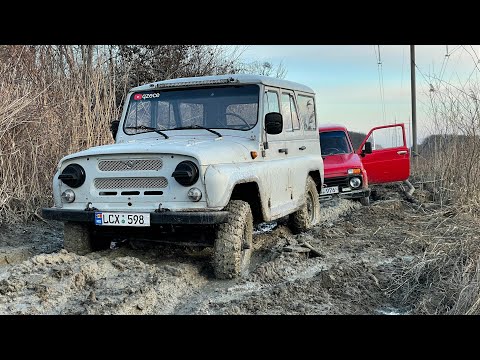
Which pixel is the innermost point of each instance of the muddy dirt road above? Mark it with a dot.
(364, 250)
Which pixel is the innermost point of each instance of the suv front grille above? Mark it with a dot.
(130, 165)
(131, 183)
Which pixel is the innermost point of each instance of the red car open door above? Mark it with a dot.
(389, 160)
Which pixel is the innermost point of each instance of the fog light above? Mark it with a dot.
(194, 194)
(355, 182)
(68, 196)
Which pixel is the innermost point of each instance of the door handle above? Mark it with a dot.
(402, 152)
(302, 148)
(284, 150)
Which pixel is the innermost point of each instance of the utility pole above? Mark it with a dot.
(414, 100)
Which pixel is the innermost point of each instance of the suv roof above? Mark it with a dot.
(227, 78)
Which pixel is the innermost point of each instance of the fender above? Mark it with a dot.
(220, 180)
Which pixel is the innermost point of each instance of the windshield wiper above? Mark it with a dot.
(143, 127)
(197, 127)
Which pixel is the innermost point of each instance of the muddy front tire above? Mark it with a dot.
(233, 243)
(77, 238)
(309, 214)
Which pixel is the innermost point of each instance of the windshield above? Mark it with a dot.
(334, 142)
(227, 107)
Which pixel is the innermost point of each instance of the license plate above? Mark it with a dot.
(122, 219)
(329, 190)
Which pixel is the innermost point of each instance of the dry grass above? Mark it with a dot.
(450, 170)
(449, 160)
(445, 279)
(44, 116)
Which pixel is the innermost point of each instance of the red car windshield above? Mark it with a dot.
(334, 142)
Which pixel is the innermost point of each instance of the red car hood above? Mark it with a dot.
(338, 165)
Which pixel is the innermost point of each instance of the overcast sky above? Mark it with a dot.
(346, 78)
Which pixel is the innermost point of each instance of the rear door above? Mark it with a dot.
(390, 158)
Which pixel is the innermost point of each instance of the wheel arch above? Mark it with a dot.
(250, 193)
(315, 175)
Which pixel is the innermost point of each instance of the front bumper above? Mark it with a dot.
(354, 194)
(167, 217)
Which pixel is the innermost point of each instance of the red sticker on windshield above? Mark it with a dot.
(137, 97)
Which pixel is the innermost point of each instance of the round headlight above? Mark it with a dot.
(73, 175)
(186, 173)
(194, 194)
(355, 182)
(68, 196)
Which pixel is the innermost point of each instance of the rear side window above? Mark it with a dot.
(306, 105)
(293, 109)
(289, 112)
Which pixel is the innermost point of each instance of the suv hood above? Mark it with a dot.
(338, 165)
(206, 151)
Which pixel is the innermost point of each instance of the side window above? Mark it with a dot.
(286, 112)
(386, 138)
(289, 112)
(293, 109)
(271, 102)
(306, 106)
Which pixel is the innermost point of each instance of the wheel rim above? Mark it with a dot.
(310, 207)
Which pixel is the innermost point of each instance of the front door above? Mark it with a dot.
(390, 158)
(294, 144)
(276, 171)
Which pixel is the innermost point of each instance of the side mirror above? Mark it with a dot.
(368, 147)
(273, 123)
(114, 128)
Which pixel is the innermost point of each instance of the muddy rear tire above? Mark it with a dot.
(233, 244)
(309, 214)
(77, 238)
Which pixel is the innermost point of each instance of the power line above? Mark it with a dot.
(475, 53)
(444, 64)
(475, 63)
(380, 81)
(421, 73)
(458, 47)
